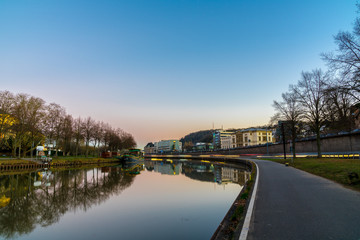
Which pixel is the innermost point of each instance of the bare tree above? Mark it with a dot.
(311, 93)
(338, 107)
(98, 135)
(88, 126)
(52, 121)
(346, 60)
(106, 136)
(78, 133)
(28, 113)
(290, 110)
(25, 122)
(36, 114)
(58, 128)
(67, 134)
(127, 141)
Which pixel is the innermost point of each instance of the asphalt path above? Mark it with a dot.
(292, 204)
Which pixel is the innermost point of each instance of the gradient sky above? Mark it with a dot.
(163, 69)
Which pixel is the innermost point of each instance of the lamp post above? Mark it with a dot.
(267, 142)
(284, 143)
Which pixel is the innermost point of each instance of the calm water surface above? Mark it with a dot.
(155, 200)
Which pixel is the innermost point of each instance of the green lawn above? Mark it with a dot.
(68, 160)
(81, 160)
(330, 168)
(13, 161)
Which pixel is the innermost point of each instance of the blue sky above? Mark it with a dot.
(162, 69)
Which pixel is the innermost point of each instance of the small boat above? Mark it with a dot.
(132, 155)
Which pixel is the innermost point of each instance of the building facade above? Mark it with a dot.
(201, 146)
(256, 136)
(223, 139)
(239, 140)
(165, 146)
(149, 148)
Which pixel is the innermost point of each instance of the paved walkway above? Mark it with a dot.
(292, 204)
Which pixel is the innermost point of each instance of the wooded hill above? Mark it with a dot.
(205, 136)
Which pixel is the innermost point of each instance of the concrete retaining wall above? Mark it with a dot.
(340, 143)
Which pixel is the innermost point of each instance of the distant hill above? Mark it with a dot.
(200, 136)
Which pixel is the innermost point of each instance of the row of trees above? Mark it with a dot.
(325, 102)
(27, 121)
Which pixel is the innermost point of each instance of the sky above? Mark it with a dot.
(160, 69)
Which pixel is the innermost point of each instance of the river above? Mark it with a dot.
(168, 199)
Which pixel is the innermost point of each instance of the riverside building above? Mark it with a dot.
(164, 146)
(222, 139)
(256, 136)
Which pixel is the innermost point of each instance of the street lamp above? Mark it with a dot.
(284, 143)
(267, 143)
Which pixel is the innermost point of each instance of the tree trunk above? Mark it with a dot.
(318, 144)
(19, 150)
(87, 149)
(14, 149)
(76, 149)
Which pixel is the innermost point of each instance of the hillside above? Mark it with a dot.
(200, 136)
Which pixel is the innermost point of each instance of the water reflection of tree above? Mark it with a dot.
(44, 205)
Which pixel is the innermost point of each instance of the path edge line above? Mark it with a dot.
(246, 225)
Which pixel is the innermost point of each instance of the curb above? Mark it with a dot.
(246, 225)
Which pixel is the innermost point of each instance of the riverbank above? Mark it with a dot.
(338, 170)
(27, 164)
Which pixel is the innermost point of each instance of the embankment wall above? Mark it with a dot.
(339, 143)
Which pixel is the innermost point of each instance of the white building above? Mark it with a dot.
(225, 142)
(257, 136)
(223, 139)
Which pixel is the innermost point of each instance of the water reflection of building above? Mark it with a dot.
(224, 175)
(229, 174)
(168, 168)
(200, 171)
(149, 165)
(43, 178)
